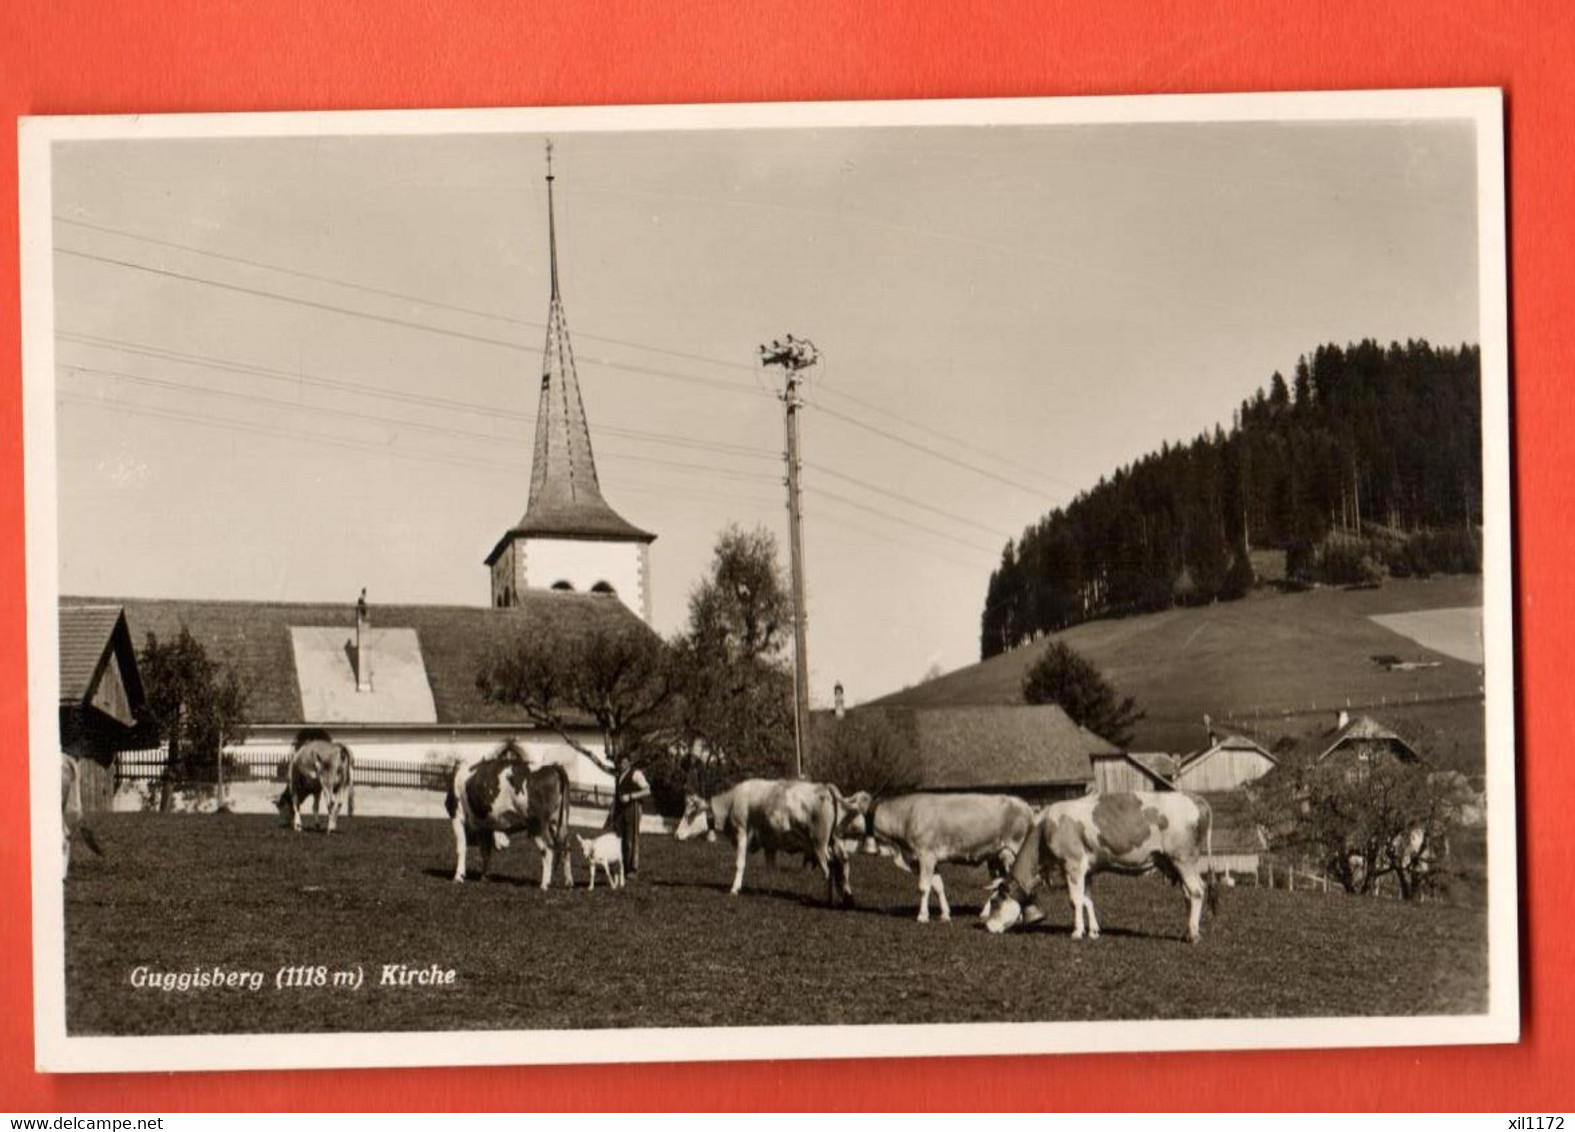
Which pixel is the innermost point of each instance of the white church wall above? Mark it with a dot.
(542, 563)
(420, 746)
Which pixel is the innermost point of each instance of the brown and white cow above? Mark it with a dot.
(1121, 833)
(320, 770)
(776, 815)
(926, 830)
(502, 794)
(71, 809)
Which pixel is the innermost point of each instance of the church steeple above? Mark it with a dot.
(565, 501)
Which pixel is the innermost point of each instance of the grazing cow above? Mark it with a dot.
(604, 852)
(1123, 833)
(926, 830)
(319, 768)
(788, 815)
(502, 794)
(71, 809)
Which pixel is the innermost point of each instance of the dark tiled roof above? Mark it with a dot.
(85, 632)
(456, 641)
(565, 495)
(978, 747)
(1366, 729)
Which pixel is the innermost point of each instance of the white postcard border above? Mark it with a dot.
(56, 1051)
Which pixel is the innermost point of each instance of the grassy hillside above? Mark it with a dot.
(1273, 664)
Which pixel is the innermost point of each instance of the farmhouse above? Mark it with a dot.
(1364, 741)
(1033, 751)
(398, 682)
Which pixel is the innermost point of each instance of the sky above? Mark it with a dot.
(288, 368)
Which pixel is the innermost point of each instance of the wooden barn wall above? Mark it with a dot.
(1224, 770)
(1113, 776)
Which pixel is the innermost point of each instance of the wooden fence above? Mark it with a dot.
(272, 765)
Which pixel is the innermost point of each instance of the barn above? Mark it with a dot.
(1033, 751)
(101, 697)
(1118, 771)
(1229, 762)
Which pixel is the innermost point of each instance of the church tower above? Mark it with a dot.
(568, 538)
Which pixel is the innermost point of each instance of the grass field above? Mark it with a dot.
(1264, 657)
(176, 892)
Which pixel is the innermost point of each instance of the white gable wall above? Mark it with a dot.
(543, 563)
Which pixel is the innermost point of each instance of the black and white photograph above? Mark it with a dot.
(695, 583)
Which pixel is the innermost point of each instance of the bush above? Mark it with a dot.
(1347, 562)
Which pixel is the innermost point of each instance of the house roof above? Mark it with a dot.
(454, 643)
(85, 638)
(1366, 729)
(1230, 742)
(1008, 746)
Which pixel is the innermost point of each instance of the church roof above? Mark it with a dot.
(446, 645)
(565, 494)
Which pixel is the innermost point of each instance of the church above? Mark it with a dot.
(397, 683)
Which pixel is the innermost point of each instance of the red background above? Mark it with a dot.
(82, 57)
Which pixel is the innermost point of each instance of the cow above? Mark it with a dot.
(926, 830)
(1123, 833)
(71, 810)
(319, 769)
(490, 798)
(603, 852)
(777, 815)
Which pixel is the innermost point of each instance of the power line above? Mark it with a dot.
(395, 422)
(928, 451)
(908, 499)
(939, 435)
(511, 320)
(403, 296)
(886, 538)
(363, 389)
(845, 501)
(334, 441)
(389, 320)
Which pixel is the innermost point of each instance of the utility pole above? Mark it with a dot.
(795, 355)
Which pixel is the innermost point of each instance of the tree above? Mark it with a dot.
(197, 705)
(1361, 821)
(1063, 677)
(623, 677)
(864, 751)
(737, 716)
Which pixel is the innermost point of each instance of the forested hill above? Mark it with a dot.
(1368, 460)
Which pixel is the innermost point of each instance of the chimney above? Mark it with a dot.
(1342, 721)
(1208, 726)
(838, 700)
(363, 645)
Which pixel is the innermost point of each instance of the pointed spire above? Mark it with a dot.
(552, 225)
(565, 495)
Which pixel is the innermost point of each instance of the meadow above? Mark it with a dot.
(180, 891)
(1274, 664)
